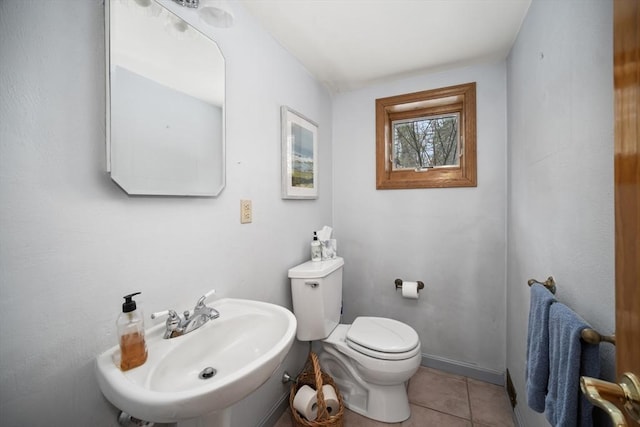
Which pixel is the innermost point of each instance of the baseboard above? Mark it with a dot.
(276, 412)
(464, 369)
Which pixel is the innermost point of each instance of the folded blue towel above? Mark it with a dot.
(569, 358)
(537, 373)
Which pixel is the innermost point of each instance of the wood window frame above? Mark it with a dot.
(453, 99)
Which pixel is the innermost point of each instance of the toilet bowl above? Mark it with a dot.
(370, 360)
(373, 382)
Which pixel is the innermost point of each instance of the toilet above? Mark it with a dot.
(370, 360)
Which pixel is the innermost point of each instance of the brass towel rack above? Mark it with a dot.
(588, 335)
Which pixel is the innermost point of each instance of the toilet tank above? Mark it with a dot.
(316, 289)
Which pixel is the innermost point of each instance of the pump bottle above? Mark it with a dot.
(316, 248)
(130, 324)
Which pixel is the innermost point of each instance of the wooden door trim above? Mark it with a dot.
(627, 184)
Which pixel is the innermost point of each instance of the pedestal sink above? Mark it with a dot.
(244, 346)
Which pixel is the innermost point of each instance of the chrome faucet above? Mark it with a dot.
(177, 326)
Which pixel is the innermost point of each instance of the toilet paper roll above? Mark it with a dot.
(331, 399)
(410, 290)
(306, 402)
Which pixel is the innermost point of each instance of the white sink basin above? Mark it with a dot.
(245, 345)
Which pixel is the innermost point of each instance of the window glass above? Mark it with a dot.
(426, 142)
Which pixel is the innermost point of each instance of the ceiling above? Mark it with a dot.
(348, 44)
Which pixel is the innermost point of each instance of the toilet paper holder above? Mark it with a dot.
(398, 283)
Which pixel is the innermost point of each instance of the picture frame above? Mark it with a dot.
(299, 155)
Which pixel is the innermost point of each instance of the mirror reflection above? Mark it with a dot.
(166, 103)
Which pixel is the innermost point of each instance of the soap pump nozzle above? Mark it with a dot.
(129, 304)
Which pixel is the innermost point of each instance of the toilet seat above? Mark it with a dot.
(382, 338)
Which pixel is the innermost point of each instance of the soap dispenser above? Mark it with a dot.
(133, 348)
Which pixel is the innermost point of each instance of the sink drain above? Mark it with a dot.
(207, 373)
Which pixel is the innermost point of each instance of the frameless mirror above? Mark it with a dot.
(165, 103)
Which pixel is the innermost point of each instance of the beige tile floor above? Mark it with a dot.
(443, 400)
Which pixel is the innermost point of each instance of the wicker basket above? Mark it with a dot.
(313, 376)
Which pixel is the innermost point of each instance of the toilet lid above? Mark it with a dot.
(382, 335)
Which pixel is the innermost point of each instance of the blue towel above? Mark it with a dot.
(538, 346)
(570, 357)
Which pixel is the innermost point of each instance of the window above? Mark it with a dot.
(427, 139)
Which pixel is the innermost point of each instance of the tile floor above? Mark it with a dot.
(443, 400)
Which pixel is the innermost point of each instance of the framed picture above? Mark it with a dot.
(299, 156)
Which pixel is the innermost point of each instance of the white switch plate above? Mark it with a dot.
(246, 214)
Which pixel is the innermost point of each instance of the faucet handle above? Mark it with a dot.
(158, 314)
(204, 297)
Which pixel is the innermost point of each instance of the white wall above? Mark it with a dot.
(560, 160)
(453, 239)
(72, 243)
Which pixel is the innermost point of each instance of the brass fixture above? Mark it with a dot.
(549, 284)
(592, 336)
(627, 392)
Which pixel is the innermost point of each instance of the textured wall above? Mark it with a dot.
(560, 171)
(72, 243)
(453, 239)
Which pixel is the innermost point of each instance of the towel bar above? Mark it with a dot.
(549, 284)
(593, 337)
(588, 335)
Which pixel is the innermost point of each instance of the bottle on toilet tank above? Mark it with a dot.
(316, 248)
(130, 324)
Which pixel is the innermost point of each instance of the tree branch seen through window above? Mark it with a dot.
(425, 142)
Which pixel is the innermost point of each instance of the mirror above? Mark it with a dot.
(165, 103)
